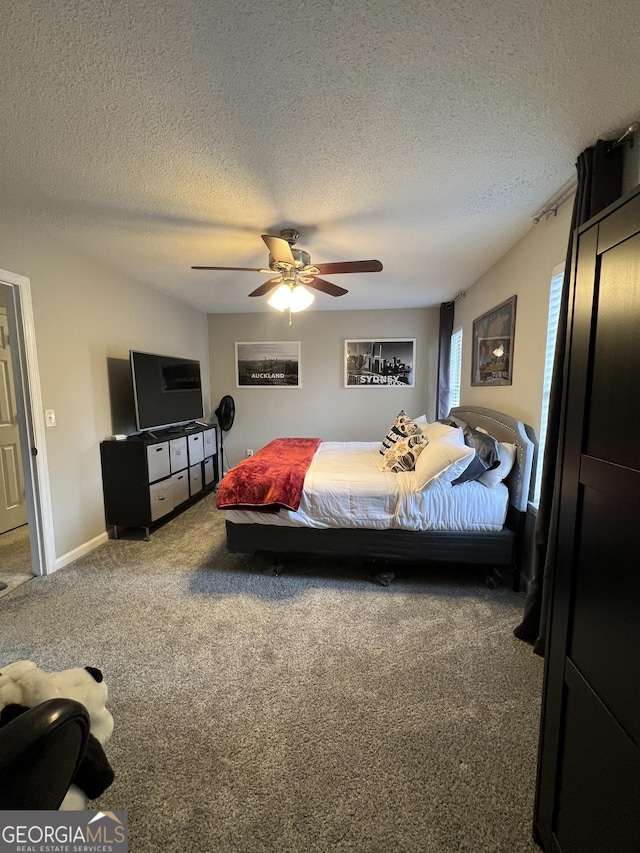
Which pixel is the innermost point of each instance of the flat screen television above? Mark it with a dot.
(166, 390)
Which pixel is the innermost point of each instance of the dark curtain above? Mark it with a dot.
(599, 184)
(444, 359)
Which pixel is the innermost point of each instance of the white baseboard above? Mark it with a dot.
(80, 551)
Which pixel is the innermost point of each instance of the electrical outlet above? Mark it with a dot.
(50, 417)
(249, 453)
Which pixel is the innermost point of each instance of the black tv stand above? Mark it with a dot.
(154, 475)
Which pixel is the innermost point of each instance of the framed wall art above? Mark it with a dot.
(492, 354)
(381, 363)
(268, 364)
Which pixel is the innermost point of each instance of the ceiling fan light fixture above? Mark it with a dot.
(292, 298)
(301, 298)
(281, 298)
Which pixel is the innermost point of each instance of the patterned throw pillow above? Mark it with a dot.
(403, 454)
(402, 427)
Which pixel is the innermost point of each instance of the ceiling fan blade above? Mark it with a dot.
(240, 269)
(266, 287)
(349, 266)
(280, 249)
(326, 287)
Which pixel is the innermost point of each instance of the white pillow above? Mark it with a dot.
(436, 429)
(490, 479)
(444, 458)
(421, 419)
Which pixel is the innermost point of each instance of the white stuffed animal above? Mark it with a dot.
(24, 684)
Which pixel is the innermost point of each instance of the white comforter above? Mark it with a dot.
(345, 486)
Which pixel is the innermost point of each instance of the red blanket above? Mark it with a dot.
(271, 479)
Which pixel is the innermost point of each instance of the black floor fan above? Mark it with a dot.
(225, 413)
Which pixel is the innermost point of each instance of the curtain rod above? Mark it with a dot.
(629, 132)
(565, 192)
(569, 188)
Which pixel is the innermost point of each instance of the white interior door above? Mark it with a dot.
(13, 507)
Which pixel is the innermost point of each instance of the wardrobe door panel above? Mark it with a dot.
(603, 639)
(597, 787)
(614, 414)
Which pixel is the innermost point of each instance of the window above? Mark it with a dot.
(555, 296)
(455, 368)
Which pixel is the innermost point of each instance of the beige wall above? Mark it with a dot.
(322, 407)
(525, 271)
(83, 316)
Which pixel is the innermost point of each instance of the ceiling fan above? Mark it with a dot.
(296, 273)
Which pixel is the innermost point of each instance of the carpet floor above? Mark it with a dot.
(312, 712)
(15, 558)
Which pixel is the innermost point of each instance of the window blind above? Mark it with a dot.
(555, 297)
(455, 368)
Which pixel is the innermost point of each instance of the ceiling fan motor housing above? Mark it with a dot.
(290, 235)
(302, 259)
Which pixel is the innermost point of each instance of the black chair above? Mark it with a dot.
(40, 751)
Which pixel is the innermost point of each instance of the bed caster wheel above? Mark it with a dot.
(384, 578)
(273, 571)
(494, 580)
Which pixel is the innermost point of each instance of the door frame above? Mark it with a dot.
(31, 423)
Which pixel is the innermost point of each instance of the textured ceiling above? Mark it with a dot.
(158, 134)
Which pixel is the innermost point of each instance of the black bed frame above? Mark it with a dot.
(493, 549)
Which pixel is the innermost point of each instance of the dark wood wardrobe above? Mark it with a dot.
(588, 787)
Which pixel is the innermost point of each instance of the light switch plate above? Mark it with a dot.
(50, 417)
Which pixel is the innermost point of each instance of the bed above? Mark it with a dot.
(349, 507)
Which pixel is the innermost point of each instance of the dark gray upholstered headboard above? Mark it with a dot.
(512, 431)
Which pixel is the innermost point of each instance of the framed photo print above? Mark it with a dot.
(268, 364)
(492, 355)
(381, 363)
